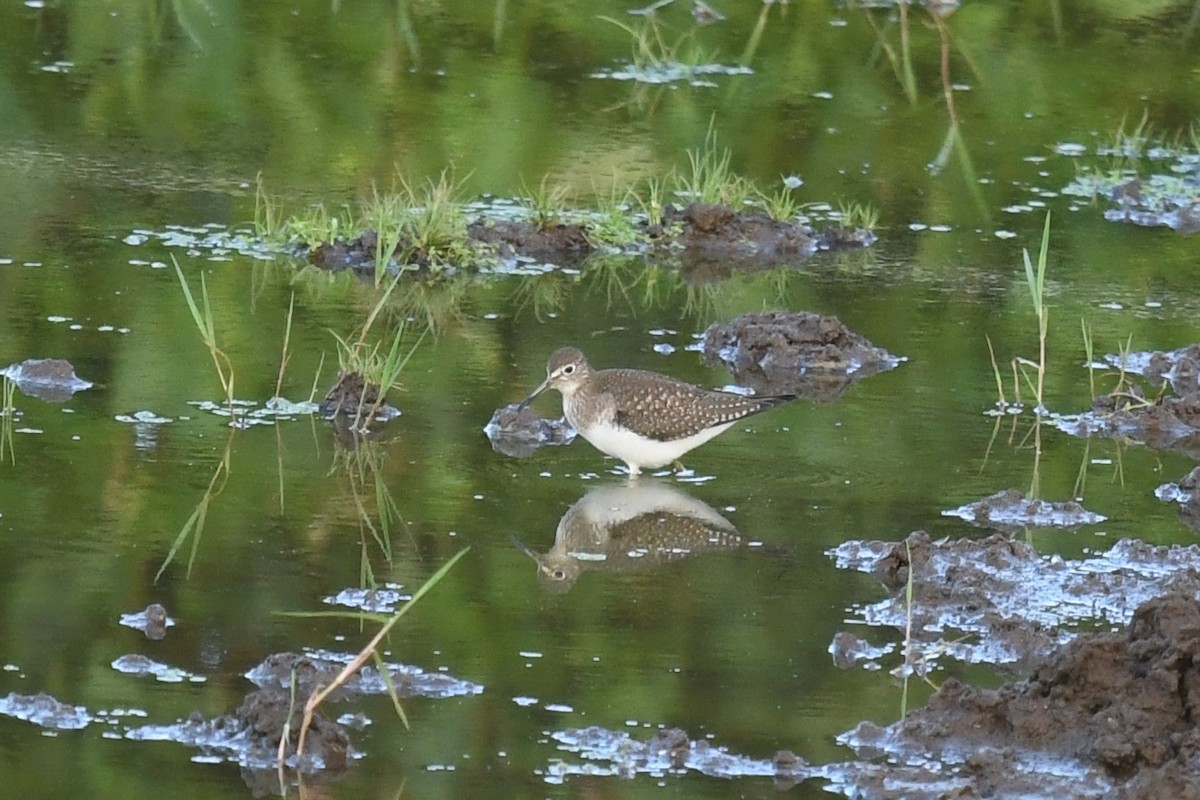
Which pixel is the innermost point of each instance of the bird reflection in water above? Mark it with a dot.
(637, 526)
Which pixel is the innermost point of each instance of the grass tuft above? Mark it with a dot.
(709, 177)
(8, 413)
(856, 216)
(202, 316)
(1035, 279)
(545, 205)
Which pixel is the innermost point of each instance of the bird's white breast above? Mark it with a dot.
(639, 451)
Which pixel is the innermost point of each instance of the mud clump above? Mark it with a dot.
(1170, 420)
(52, 380)
(1180, 368)
(798, 353)
(998, 601)
(1010, 511)
(1163, 423)
(668, 751)
(1170, 200)
(563, 243)
(518, 431)
(718, 233)
(355, 397)
(266, 714)
(357, 254)
(152, 621)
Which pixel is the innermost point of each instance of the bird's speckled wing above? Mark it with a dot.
(665, 409)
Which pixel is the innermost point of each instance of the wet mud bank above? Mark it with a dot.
(695, 235)
(998, 601)
(1107, 715)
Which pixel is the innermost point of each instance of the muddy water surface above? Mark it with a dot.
(737, 629)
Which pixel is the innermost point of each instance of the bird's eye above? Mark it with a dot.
(559, 574)
(568, 369)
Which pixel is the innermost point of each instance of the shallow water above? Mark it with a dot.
(145, 129)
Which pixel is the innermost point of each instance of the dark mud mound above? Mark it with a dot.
(1114, 714)
(564, 244)
(718, 233)
(1166, 423)
(798, 353)
(313, 670)
(716, 239)
(152, 621)
(45, 710)
(520, 432)
(142, 666)
(1179, 368)
(251, 735)
(361, 254)
(1010, 511)
(265, 716)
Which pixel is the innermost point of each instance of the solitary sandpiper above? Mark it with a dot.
(643, 418)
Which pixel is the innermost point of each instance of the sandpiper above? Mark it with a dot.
(645, 419)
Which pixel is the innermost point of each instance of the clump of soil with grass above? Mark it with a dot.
(1167, 194)
(424, 230)
(696, 234)
(1165, 414)
(352, 395)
